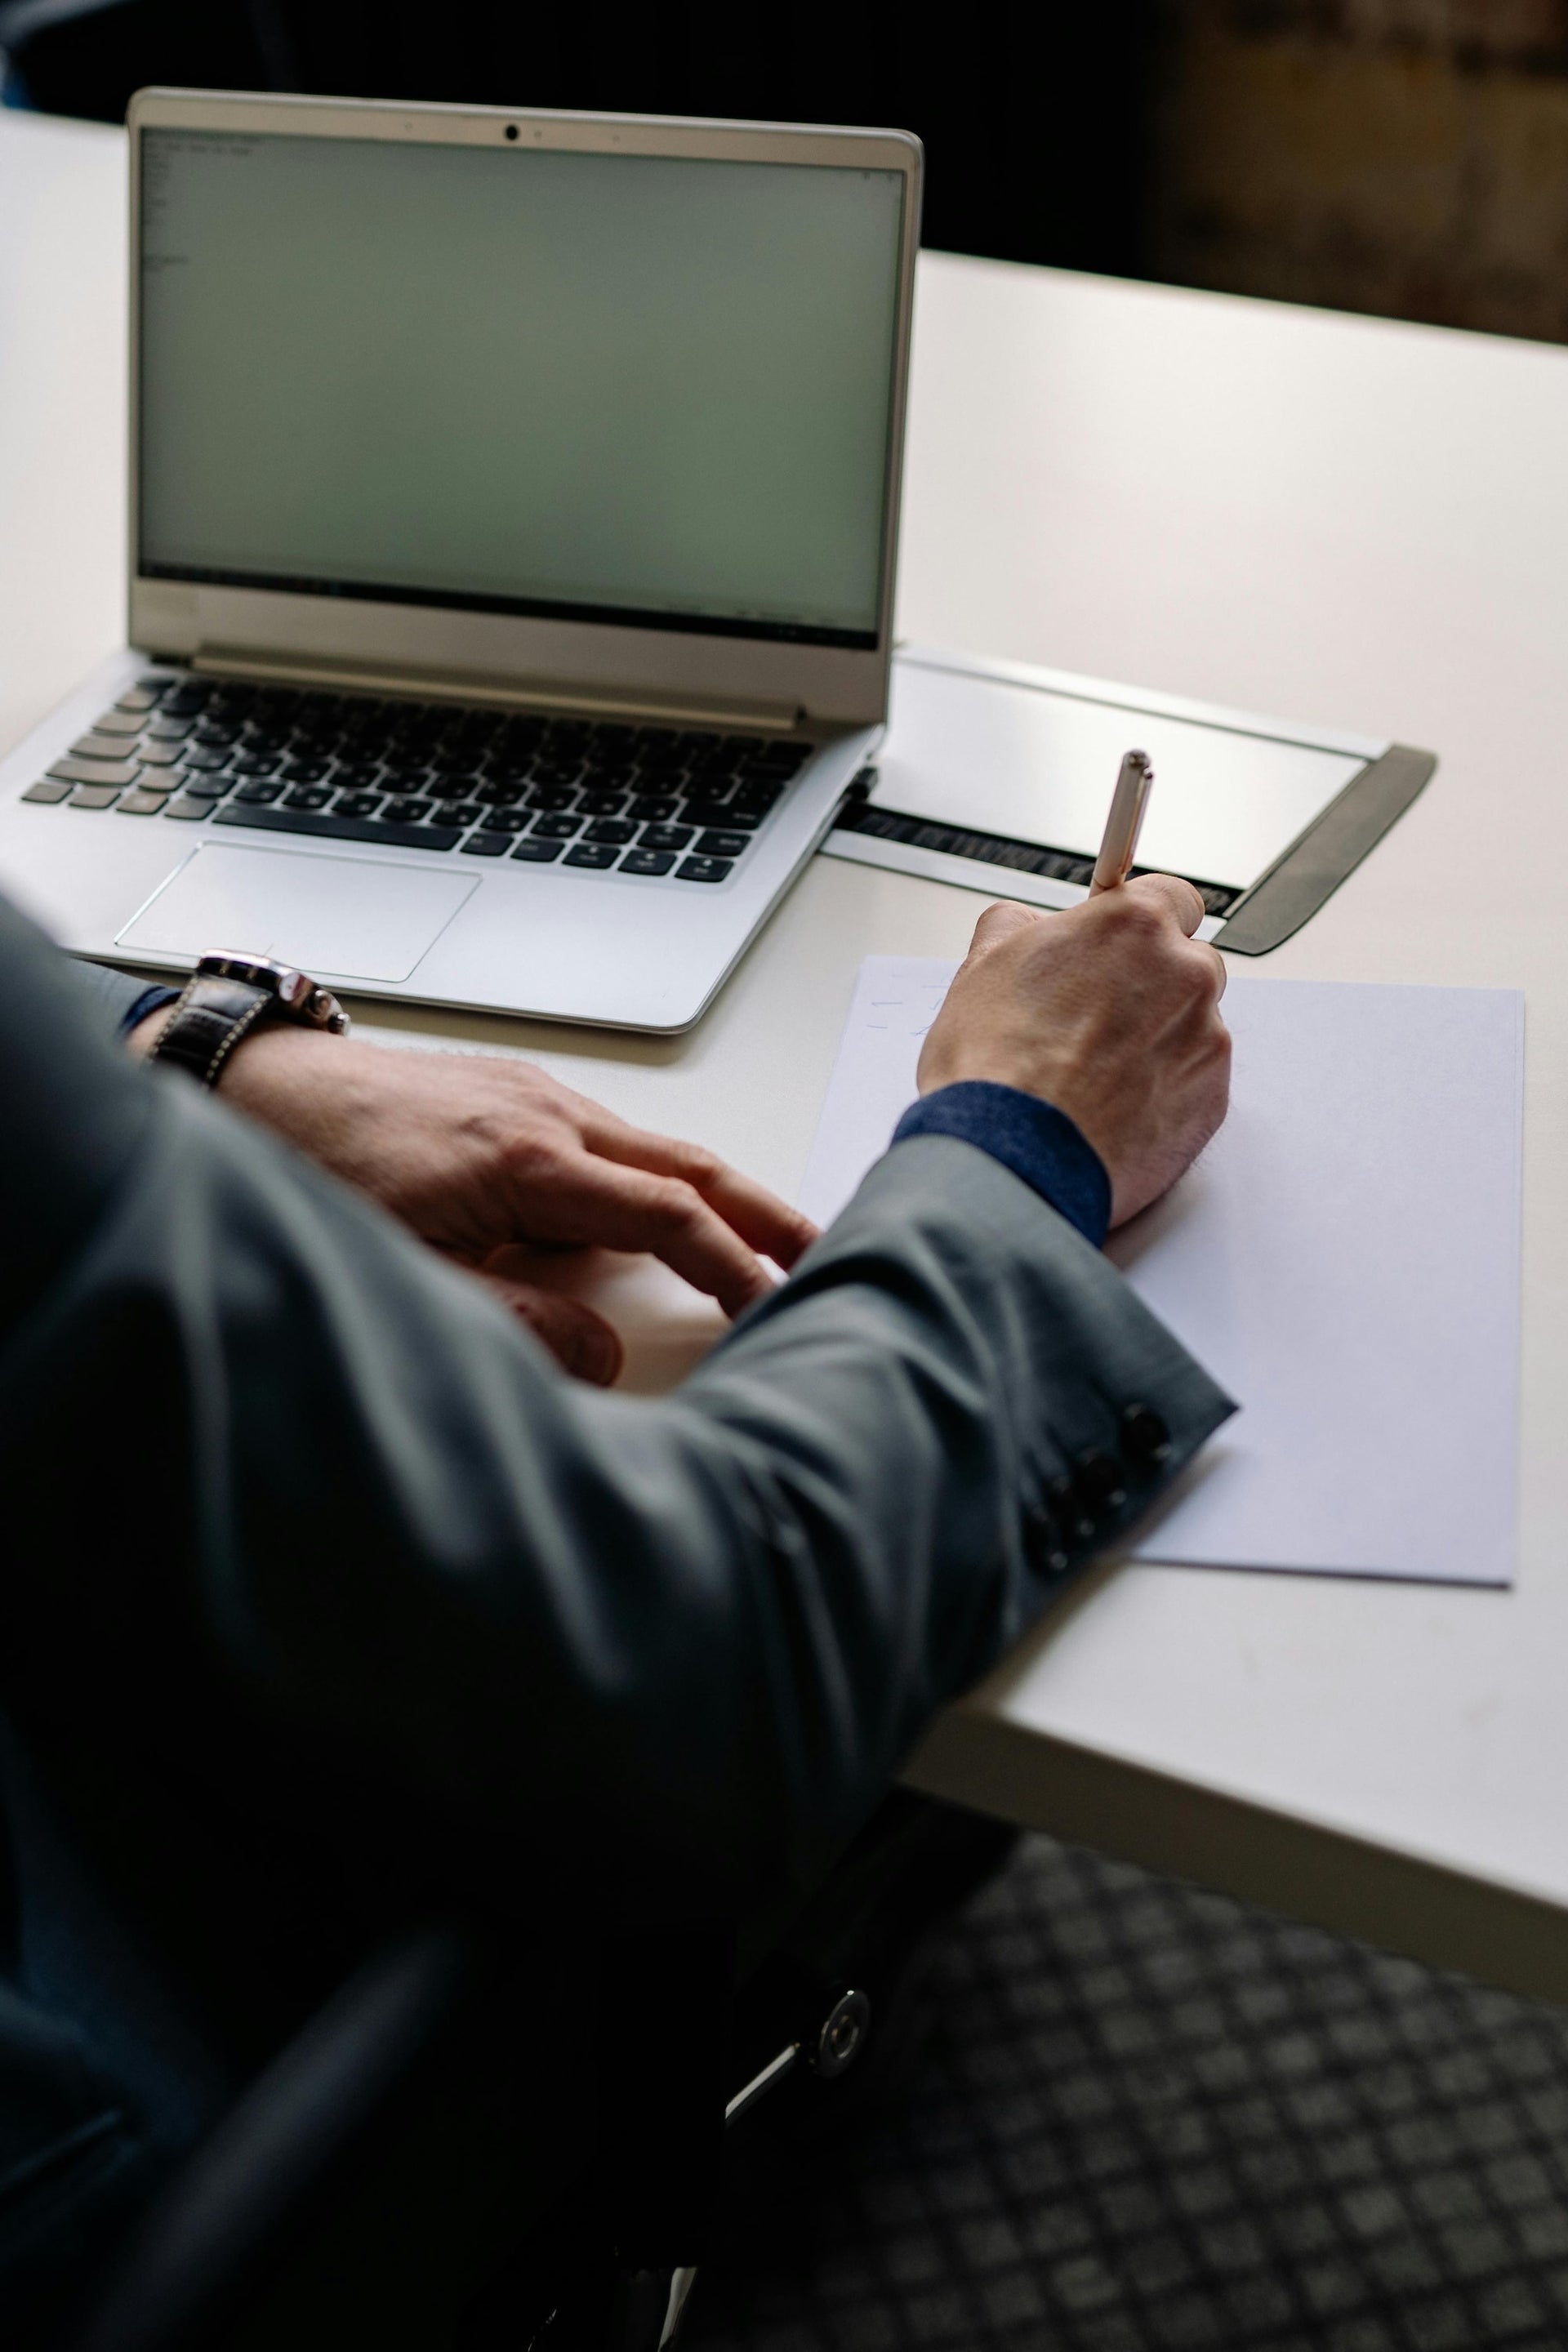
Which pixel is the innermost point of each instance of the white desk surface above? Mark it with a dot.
(1326, 518)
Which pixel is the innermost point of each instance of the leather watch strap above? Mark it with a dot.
(209, 1022)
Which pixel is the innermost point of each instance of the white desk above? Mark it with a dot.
(1334, 519)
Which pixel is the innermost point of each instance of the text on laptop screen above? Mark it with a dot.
(602, 387)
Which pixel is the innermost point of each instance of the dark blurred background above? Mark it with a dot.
(1408, 157)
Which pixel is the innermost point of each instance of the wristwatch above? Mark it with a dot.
(229, 995)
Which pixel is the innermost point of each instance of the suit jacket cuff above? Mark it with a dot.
(1034, 1139)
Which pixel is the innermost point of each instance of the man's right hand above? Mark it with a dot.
(1111, 1012)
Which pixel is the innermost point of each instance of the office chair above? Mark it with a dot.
(309, 2213)
(335, 2202)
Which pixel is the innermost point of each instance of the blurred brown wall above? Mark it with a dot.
(1402, 156)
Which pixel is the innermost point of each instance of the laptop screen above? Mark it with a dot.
(619, 388)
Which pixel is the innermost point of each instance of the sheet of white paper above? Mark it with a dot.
(1344, 1259)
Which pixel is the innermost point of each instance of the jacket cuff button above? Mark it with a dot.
(1045, 1545)
(1067, 1504)
(1144, 1434)
(1099, 1482)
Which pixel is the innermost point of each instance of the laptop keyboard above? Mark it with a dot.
(653, 801)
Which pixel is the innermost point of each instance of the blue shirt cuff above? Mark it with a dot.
(1034, 1139)
(150, 1000)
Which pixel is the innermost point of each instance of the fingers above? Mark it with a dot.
(582, 1341)
(1169, 891)
(1183, 903)
(629, 1208)
(759, 1216)
(1178, 899)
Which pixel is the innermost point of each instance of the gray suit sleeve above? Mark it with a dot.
(110, 993)
(300, 1509)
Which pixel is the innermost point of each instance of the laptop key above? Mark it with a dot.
(601, 804)
(328, 823)
(402, 836)
(405, 808)
(648, 861)
(140, 698)
(209, 759)
(722, 844)
(505, 821)
(307, 796)
(556, 828)
(165, 729)
(259, 793)
(487, 844)
(99, 747)
(158, 755)
(190, 812)
(665, 837)
(201, 788)
(46, 792)
(118, 722)
(248, 763)
(462, 813)
(551, 797)
(597, 854)
(113, 774)
(613, 829)
(653, 808)
(534, 851)
(357, 803)
(143, 803)
(703, 869)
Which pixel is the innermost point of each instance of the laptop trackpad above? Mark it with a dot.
(342, 918)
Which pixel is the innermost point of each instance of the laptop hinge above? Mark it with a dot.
(592, 701)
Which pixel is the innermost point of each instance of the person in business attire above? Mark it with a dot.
(328, 1600)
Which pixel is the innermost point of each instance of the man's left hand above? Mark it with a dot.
(477, 1153)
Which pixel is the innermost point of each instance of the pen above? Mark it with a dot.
(1125, 822)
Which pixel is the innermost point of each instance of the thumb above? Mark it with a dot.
(582, 1341)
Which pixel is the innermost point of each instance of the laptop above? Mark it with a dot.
(513, 515)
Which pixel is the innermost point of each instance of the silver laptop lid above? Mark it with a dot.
(600, 408)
